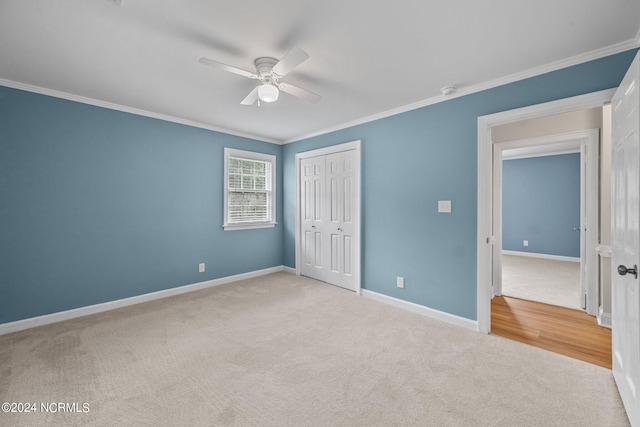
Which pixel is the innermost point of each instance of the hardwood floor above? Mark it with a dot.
(562, 330)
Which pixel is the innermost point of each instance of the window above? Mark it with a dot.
(249, 196)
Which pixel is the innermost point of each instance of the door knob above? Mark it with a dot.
(622, 270)
(313, 226)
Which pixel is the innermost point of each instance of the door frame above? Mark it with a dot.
(589, 213)
(485, 236)
(347, 146)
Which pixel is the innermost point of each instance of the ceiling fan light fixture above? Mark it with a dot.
(268, 92)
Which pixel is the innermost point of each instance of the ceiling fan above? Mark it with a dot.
(269, 71)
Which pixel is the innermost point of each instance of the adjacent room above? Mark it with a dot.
(249, 213)
(541, 225)
(545, 205)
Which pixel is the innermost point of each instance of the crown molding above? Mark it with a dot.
(126, 109)
(462, 91)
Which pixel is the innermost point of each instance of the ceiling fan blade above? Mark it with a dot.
(251, 98)
(299, 92)
(291, 60)
(229, 68)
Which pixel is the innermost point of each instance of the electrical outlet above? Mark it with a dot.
(201, 267)
(444, 206)
(400, 282)
(525, 243)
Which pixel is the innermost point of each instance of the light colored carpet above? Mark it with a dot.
(543, 280)
(287, 351)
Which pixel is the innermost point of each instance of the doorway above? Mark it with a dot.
(577, 151)
(546, 215)
(328, 215)
(486, 238)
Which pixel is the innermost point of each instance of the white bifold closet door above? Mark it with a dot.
(327, 217)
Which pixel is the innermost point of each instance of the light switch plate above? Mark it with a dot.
(444, 206)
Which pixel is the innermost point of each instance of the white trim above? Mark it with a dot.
(249, 155)
(532, 72)
(249, 226)
(423, 310)
(590, 220)
(132, 110)
(543, 256)
(288, 269)
(545, 154)
(353, 145)
(566, 105)
(496, 239)
(604, 251)
(298, 225)
(604, 319)
(485, 167)
(19, 325)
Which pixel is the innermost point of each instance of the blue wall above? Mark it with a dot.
(434, 149)
(98, 205)
(541, 204)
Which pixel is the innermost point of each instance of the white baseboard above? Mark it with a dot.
(604, 319)
(19, 325)
(288, 269)
(421, 309)
(544, 256)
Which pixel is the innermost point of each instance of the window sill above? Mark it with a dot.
(233, 227)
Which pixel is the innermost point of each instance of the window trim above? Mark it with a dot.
(248, 155)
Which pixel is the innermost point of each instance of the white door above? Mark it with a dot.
(312, 217)
(329, 218)
(340, 189)
(625, 257)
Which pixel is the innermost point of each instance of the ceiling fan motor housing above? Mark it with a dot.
(264, 66)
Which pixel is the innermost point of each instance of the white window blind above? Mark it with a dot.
(249, 192)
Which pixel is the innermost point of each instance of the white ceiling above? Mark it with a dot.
(367, 59)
